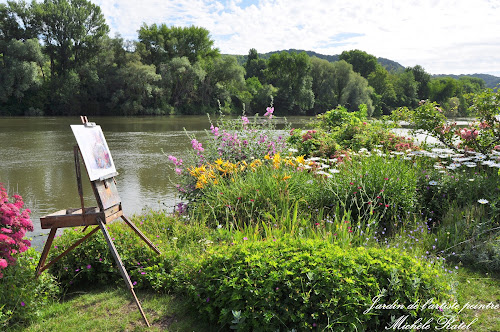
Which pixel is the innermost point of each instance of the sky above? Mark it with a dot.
(443, 36)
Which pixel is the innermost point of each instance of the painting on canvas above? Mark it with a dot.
(95, 151)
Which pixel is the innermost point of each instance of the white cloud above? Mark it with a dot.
(443, 36)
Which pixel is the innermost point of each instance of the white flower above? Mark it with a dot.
(334, 170)
(471, 180)
(482, 201)
(433, 183)
(293, 150)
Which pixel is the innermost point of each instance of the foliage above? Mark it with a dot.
(482, 135)
(372, 187)
(362, 62)
(291, 74)
(22, 295)
(14, 223)
(307, 284)
(314, 143)
(92, 263)
(161, 43)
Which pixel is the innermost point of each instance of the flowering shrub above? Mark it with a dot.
(14, 222)
(482, 135)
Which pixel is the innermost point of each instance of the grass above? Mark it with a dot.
(114, 310)
(479, 288)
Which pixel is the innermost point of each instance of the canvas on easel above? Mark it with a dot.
(92, 147)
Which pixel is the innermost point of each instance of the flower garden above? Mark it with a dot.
(292, 230)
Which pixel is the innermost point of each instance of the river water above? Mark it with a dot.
(36, 161)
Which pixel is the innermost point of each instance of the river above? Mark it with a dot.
(36, 161)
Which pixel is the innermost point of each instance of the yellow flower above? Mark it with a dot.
(267, 157)
(286, 177)
(300, 159)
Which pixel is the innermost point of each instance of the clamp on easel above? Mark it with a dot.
(109, 209)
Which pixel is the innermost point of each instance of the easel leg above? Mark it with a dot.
(73, 246)
(45, 251)
(121, 267)
(142, 236)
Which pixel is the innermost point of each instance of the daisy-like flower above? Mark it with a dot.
(433, 183)
(482, 201)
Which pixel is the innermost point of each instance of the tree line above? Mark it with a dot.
(56, 58)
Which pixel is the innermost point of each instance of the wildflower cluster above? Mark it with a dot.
(14, 222)
(230, 145)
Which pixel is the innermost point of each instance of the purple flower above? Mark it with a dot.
(22, 304)
(89, 266)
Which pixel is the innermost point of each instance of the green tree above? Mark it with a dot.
(255, 66)
(337, 84)
(181, 81)
(71, 31)
(224, 84)
(422, 78)
(291, 74)
(18, 68)
(361, 61)
(384, 92)
(406, 89)
(160, 43)
(442, 89)
(136, 89)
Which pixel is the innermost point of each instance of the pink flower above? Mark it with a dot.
(178, 171)
(245, 120)
(269, 112)
(3, 263)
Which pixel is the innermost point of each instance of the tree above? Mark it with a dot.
(71, 31)
(422, 78)
(337, 84)
(255, 66)
(384, 91)
(361, 61)
(291, 74)
(181, 81)
(159, 44)
(406, 89)
(18, 68)
(137, 88)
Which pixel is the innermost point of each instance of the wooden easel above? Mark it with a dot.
(109, 209)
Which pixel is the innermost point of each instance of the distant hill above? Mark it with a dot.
(392, 66)
(490, 80)
(386, 63)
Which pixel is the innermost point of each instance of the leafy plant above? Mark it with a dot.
(310, 284)
(22, 295)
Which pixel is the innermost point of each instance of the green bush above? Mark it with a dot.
(314, 143)
(91, 263)
(22, 296)
(310, 284)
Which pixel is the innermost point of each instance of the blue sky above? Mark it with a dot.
(443, 36)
